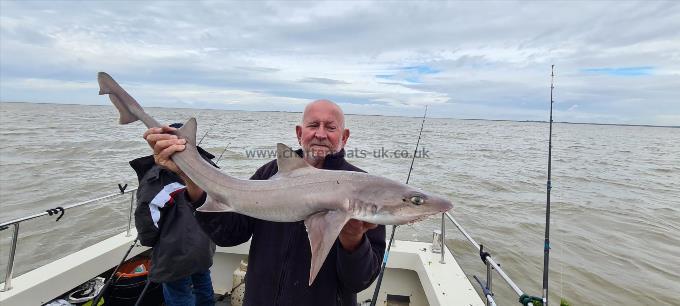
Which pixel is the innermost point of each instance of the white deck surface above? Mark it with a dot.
(443, 284)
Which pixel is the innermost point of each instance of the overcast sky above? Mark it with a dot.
(616, 62)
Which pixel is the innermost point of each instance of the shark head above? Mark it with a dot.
(392, 202)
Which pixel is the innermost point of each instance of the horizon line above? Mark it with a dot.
(374, 115)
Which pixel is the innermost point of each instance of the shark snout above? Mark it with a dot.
(446, 207)
(442, 204)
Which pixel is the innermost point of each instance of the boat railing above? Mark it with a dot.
(491, 264)
(59, 210)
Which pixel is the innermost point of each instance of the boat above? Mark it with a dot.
(417, 273)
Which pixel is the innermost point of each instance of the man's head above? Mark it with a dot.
(322, 131)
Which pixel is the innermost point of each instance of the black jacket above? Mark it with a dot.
(165, 221)
(279, 257)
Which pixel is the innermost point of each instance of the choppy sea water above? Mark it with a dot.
(615, 197)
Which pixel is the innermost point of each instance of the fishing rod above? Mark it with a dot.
(394, 227)
(108, 281)
(546, 245)
(206, 134)
(417, 143)
(225, 150)
(141, 295)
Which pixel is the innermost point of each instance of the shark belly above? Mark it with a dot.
(277, 205)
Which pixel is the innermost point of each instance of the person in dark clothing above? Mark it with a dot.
(279, 258)
(182, 253)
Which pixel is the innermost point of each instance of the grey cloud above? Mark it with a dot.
(325, 81)
(258, 69)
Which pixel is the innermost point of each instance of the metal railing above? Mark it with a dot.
(15, 223)
(488, 260)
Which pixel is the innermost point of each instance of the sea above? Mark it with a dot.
(615, 218)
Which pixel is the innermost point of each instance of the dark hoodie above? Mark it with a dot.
(279, 257)
(165, 221)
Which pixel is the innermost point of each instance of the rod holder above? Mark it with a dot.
(489, 300)
(443, 237)
(10, 261)
(132, 203)
(436, 242)
(394, 241)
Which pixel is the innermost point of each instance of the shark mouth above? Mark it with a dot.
(417, 220)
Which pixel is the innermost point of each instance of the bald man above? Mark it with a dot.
(279, 257)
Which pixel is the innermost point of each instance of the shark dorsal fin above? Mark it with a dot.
(188, 131)
(287, 160)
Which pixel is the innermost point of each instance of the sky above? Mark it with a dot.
(615, 62)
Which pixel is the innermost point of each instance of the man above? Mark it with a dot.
(279, 258)
(181, 258)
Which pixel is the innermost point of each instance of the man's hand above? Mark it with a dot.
(353, 232)
(164, 145)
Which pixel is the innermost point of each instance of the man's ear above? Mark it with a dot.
(298, 132)
(345, 136)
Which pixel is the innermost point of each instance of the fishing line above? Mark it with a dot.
(394, 227)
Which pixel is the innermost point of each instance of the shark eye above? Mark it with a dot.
(416, 200)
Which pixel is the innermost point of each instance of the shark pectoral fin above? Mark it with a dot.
(287, 160)
(188, 131)
(322, 229)
(212, 205)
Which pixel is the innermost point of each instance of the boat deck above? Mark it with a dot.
(413, 271)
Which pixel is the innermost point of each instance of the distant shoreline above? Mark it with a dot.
(466, 119)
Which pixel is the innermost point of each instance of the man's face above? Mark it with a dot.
(322, 131)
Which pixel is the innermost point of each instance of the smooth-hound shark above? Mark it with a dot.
(324, 199)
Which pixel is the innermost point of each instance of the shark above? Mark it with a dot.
(324, 199)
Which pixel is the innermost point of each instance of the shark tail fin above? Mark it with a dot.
(107, 86)
(188, 131)
(125, 115)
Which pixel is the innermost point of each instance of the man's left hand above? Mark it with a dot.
(353, 232)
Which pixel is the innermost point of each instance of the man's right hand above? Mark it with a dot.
(164, 145)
